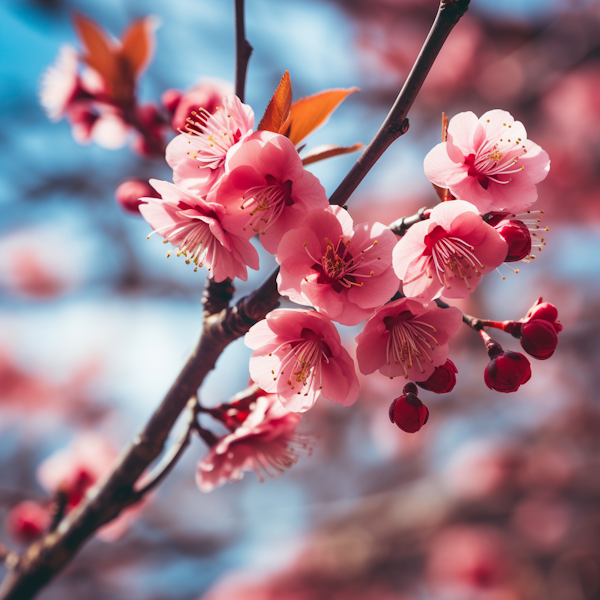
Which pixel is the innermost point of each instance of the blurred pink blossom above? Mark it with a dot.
(265, 442)
(488, 162)
(298, 355)
(26, 521)
(76, 469)
(208, 94)
(345, 272)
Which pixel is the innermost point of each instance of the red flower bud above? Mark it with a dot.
(128, 195)
(27, 521)
(544, 311)
(539, 338)
(442, 380)
(170, 99)
(507, 371)
(516, 234)
(408, 412)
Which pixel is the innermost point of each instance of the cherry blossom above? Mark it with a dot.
(345, 272)
(265, 442)
(507, 370)
(194, 227)
(26, 521)
(197, 155)
(129, 195)
(75, 469)
(298, 355)
(208, 94)
(266, 189)
(488, 162)
(60, 84)
(448, 253)
(407, 337)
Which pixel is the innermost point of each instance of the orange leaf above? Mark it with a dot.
(328, 151)
(138, 44)
(99, 50)
(313, 111)
(278, 108)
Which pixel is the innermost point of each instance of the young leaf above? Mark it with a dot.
(138, 44)
(278, 108)
(307, 114)
(328, 151)
(99, 50)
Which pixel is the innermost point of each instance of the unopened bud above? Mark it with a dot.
(516, 234)
(544, 311)
(506, 371)
(442, 380)
(408, 412)
(130, 193)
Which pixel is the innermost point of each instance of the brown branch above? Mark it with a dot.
(49, 555)
(111, 495)
(396, 123)
(243, 51)
(174, 454)
(401, 226)
(474, 323)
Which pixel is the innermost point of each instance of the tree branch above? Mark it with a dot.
(243, 51)
(396, 123)
(222, 325)
(474, 323)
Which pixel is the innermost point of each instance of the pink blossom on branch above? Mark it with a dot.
(197, 155)
(447, 254)
(266, 189)
(74, 470)
(407, 337)
(298, 356)
(488, 162)
(194, 227)
(265, 442)
(345, 272)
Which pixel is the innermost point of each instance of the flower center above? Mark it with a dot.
(452, 257)
(265, 203)
(338, 267)
(497, 159)
(409, 341)
(302, 362)
(210, 136)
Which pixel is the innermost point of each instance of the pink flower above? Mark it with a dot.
(60, 84)
(344, 272)
(266, 189)
(448, 253)
(193, 226)
(488, 162)
(265, 442)
(208, 95)
(130, 193)
(26, 521)
(407, 337)
(197, 155)
(75, 469)
(298, 355)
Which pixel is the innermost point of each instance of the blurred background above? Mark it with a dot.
(497, 498)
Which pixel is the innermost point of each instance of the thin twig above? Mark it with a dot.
(243, 51)
(474, 323)
(396, 123)
(401, 226)
(175, 453)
